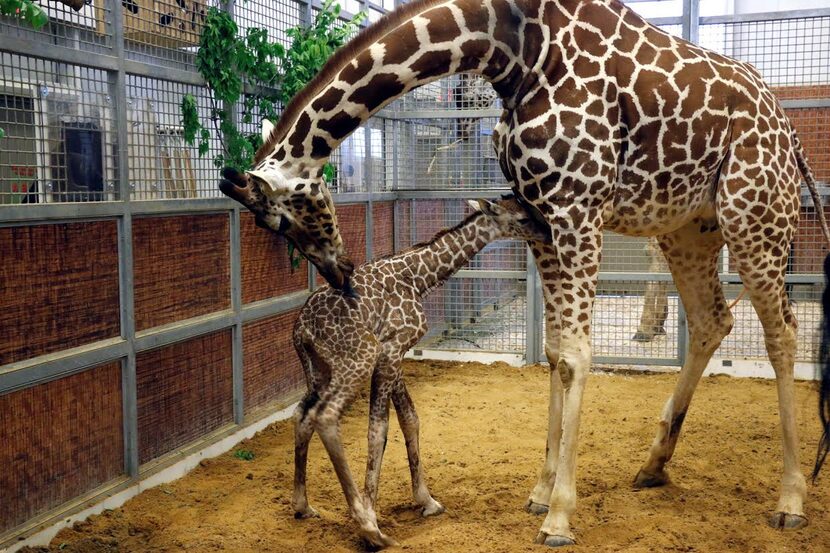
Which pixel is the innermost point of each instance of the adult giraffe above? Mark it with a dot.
(609, 123)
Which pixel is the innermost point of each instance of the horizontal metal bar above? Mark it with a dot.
(350, 197)
(44, 49)
(163, 72)
(805, 103)
(158, 207)
(795, 278)
(47, 367)
(663, 21)
(183, 330)
(612, 276)
(387, 196)
(441, 114)
(728, 278)
(275, 306)
(765, 16)
(457, 194)
(47, 212)
(475, 273)
(605, 360)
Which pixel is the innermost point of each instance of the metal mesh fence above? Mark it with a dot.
(161, 164)
(89, 28)
(164, 32)
(790, 53)
(60, 137)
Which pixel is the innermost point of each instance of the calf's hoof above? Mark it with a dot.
(554, 541)
(648, 480)
(535, 508)
(786, 521)
(642, 337)
(378, 540)
(431, 509)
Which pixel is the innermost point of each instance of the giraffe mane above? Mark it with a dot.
(332, 67)
(438, 236)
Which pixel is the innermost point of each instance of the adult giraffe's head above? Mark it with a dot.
(296, 203)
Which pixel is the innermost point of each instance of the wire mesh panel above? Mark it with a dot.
(448, 153)
(469, 312)
(58, 122)
(74, 24)
(161, 164)
(275, 17)
(164, 32)
(635, 320)
(793, 55)
(477, 314)
(746, 339)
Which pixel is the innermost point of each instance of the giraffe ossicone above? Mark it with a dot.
(609, 123)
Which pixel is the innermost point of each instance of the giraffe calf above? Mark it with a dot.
(344, 341)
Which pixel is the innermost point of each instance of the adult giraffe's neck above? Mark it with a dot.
(418, 43)
(433, 262)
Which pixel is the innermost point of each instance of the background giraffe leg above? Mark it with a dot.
(655, 300)
(548, 264)
(410, 426)
(578, 270)
(692, 257)
(377, 435)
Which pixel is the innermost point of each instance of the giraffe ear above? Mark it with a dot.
(474, 205)
(489, 208)
(264, 178)
(267, 127)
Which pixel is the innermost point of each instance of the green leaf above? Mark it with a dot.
(328, 173)
(190, 119)
(2, 133)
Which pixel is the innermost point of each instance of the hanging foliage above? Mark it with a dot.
(256, 74)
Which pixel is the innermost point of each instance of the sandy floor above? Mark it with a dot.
(483, 431)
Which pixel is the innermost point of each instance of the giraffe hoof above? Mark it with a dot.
(641, 337)
(554, 541)
(308, 512)
(648, 480)
(535, 508)
(786, 521)
(378, 540)
(432, 509)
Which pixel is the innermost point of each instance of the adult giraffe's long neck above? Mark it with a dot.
(418, 43)
(433, 262)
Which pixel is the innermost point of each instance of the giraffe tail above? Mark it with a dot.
(824, 348)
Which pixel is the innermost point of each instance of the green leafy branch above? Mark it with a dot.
(258, 75)
(25, 10)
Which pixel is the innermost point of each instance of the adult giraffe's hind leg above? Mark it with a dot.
(760, 251)
(691, 253)
(548, 266)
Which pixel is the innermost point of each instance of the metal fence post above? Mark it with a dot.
(691, 20)
(129, 401)
(534, 334)
(236, 307)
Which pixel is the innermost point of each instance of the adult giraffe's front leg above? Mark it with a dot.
(577, 235)
(548, 266)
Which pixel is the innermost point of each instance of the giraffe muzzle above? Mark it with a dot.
(234, 185)
(338, 274)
